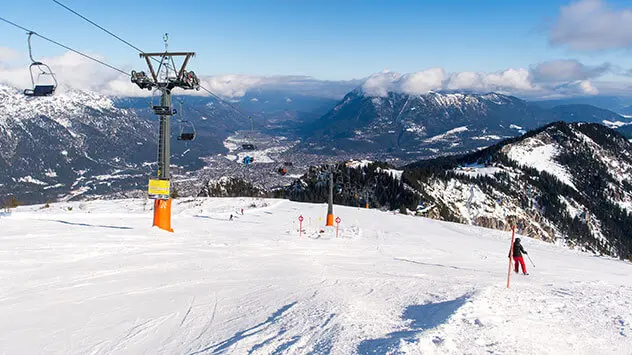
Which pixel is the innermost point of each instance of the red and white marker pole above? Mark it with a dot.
(300, 226)
(337, 225)
(513, 234)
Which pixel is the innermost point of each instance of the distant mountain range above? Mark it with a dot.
(618, 104)
(435, 123)
(79, 144)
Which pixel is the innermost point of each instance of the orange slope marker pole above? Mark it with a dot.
(513, 235)
(162, 214)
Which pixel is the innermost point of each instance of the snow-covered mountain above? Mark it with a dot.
(60, 146)
(435, 123)
(563, 182)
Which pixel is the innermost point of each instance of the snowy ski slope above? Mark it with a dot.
(98, 279)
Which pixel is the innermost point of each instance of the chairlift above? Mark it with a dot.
(187, 129)
(249, 146)
(248, 160)
(186, 136)
(40, 88)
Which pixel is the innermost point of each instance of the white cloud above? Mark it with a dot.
(380, 84)
(557, 77)
(591, 25)
(588, 87)
(423, 81)
(572, 81)
(8, 55)
(567, 70)
(465, 80)
(510, 80)
(230, 86)
(73, 72)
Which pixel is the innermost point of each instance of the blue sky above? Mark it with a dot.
(325, 39)
(332, 40)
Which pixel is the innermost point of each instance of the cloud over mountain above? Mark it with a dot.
(555, 78)
(548, 79)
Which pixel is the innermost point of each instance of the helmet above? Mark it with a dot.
(517, 240)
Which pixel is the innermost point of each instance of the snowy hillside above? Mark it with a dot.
(93, 277)
(559, 183)
(64, 145)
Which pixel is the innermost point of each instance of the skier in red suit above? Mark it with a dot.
(518, 250)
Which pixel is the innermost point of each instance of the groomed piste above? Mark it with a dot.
(94, 278)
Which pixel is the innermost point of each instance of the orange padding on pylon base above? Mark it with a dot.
(330, 220)
(162, 214)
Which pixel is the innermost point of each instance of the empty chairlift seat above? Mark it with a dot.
(40, 90)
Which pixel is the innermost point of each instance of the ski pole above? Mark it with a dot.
(532, 263)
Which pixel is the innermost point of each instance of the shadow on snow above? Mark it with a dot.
(88, 225)
(241, 335)
(422, 317)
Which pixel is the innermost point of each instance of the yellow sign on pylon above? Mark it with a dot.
(159, 189)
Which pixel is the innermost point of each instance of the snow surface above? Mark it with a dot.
(476, 170)
(394, 173)
(17, 107)
(615, 124)
(98, 279)
(447, 134)
(358, 164)
(534, 153)
(261, 156)
(488, 137)
(31, 180)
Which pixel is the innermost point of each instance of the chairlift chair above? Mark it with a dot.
(249, 146)
(187, 129)
(248, 160)
(186, 135)
(39, 89)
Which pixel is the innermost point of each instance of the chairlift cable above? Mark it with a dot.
(106, 64)
(66, 47)
(97, 25)
(226, 103)
(104, 29)
(141, 51)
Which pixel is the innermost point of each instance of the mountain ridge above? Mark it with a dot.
(402, 124)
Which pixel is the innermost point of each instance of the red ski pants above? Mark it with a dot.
(519, 259)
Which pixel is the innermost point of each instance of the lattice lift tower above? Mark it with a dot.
(162, 80)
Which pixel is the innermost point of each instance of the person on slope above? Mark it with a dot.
(518, 250)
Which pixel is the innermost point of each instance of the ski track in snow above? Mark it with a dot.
(98, 279)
